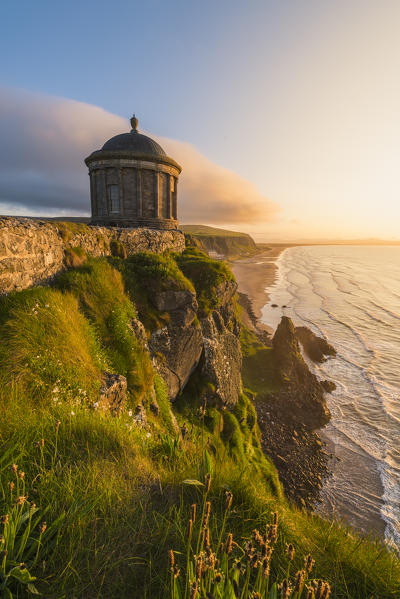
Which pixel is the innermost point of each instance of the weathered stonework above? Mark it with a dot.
(133, 183)
(33, 251)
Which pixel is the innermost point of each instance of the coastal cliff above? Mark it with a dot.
(132, 395)
(220, 243)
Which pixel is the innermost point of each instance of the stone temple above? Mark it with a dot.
(133, 183)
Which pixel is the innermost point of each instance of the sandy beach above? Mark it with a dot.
(254, 274)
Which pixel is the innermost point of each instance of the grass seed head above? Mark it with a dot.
(229, 498)
(43, 527)
(299, 580)
(193, 512)
(14, 468)
(285, 589)
(290, 552)
(190, 529)
(326, 591)
(308, 563)
(207, 510)
(171, 558)
(193, 590)
(208, 482)
(228, 545)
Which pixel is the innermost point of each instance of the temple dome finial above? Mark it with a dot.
(134, 123)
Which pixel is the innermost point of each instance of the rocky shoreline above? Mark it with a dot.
(290, 417)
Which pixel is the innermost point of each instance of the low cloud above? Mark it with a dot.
(44, 140)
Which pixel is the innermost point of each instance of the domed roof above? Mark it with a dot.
(132, 145)
(134, 142)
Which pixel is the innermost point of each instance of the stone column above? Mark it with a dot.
(175, 196)
(157, 195)
(169, 195)
(104, 199)
(92, 176)
(121, 191)
(139, 201)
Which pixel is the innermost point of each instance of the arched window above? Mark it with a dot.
(113, 198)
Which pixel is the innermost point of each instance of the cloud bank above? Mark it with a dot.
(44, 140)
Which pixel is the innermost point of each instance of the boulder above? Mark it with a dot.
(112, 392)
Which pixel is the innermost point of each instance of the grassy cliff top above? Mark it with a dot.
(206, 231)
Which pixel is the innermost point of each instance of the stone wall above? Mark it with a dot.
(33, 251)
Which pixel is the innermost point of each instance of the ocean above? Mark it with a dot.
(351, 296)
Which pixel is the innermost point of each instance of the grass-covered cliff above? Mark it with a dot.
(99, 470)
(220, 242)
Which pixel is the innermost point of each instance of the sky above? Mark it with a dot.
(284, 114)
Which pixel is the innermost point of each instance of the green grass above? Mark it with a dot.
(206, 274)
(259, 373)
(117, 496)
(206, 231)
(144, 275)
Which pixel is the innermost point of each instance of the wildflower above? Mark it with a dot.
(299, 580)
(193, 590)
(207, 537)
(285, 589)
(228, 545)
(21, 475)
(148, 435)
(326, 592)
(266, 567)
(207, 510)
(257, 537)
(199, 568)
(96, 405)
(171, 558)
(72, 413)
(308, 563)
(176, 571)
(14, 468)
(43, 527)
(229, 498)
(290, 552)
(11, 485)
(319, 589)
(193, 512)
(272, 533)
(208, 482)
(130, 413)
(20, 500)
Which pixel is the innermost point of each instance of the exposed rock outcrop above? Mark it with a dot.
(316, 348)
(193, 339)
(302, 390)
(222, 357)
(113, 393)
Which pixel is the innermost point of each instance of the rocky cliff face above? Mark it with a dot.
(33, 251)
(194, 340)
